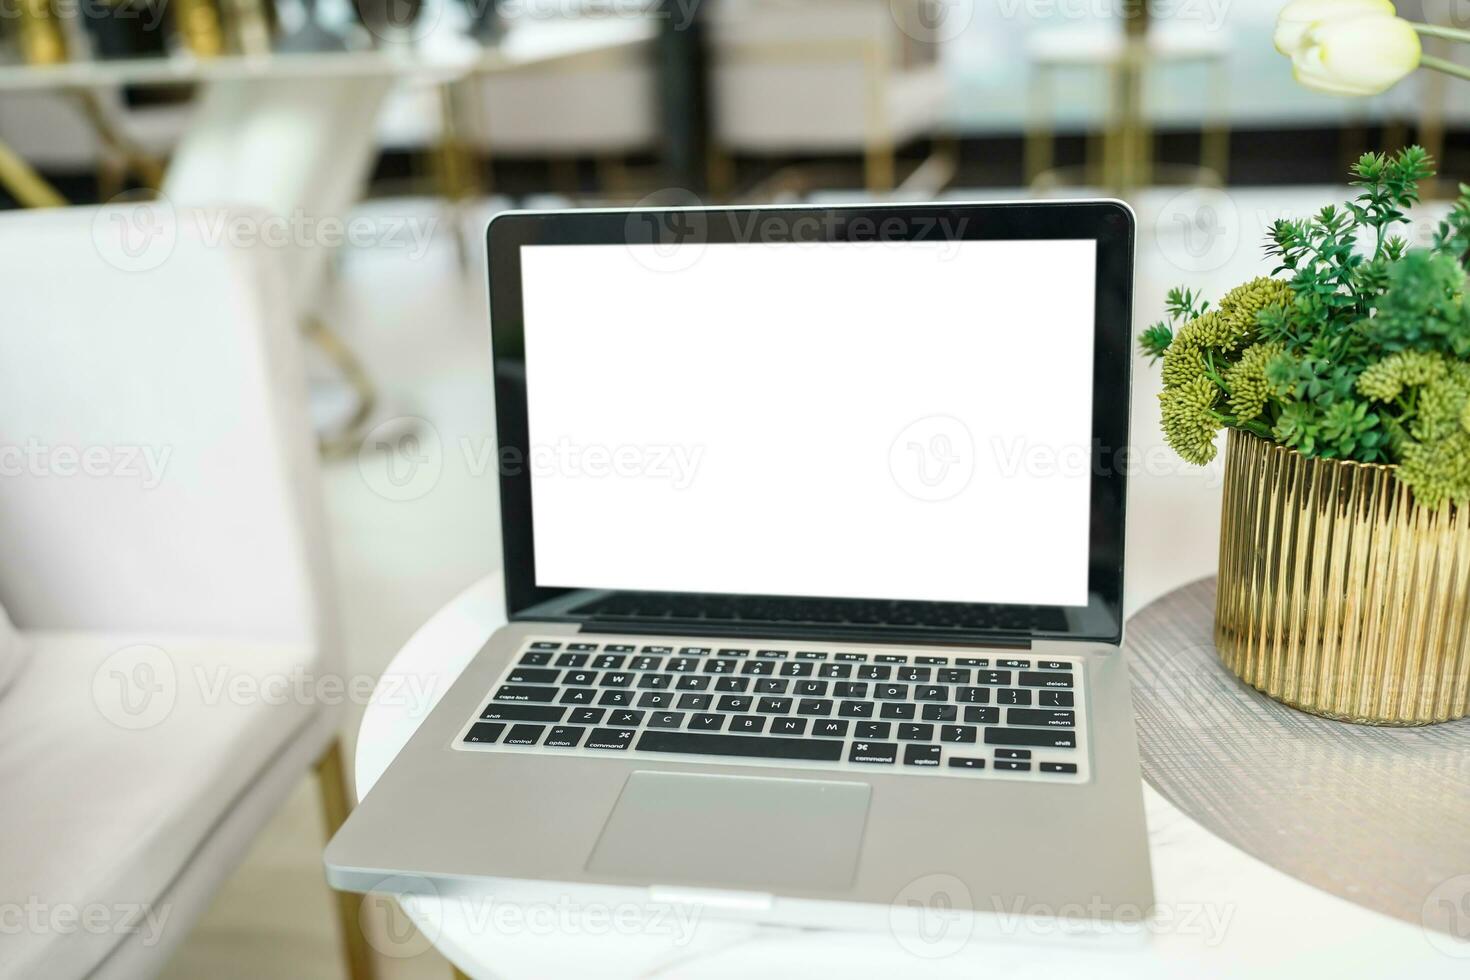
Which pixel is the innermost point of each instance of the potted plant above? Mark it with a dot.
(1344, 382)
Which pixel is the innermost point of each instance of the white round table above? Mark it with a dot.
(1220, 912)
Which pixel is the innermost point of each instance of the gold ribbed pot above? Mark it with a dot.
(1338, 594)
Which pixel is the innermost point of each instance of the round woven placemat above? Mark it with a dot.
(1378, 816)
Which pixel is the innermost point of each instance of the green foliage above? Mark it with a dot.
(1357, 347)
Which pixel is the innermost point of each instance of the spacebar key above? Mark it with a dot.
(702, 743)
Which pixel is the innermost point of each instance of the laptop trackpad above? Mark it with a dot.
(716, 830)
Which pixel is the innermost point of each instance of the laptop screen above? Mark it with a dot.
(880, 420)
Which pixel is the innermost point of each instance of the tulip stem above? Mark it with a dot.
(1448, 67)
(1448, 33)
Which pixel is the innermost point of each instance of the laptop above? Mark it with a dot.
(813, 526)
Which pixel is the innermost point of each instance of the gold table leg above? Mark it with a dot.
(29, 188)
(331, 778)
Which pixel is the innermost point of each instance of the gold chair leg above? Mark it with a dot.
(457, 974)
(29, 188)
(331, 779)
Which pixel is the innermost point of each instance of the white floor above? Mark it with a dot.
(420, 325)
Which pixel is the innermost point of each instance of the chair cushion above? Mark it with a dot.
(13, 651)
(118, 756)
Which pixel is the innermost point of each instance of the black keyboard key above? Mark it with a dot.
(1011, 695)
(655, 682)
(578, 695)
(1054, 665)
(958, 733)
(993, 677)
(1040, 678)
(1009, 766)
(631, 719)
(900, 711)
(582, 647)
(921, 755)
(939, 712)
(707, 723)
(572, 660)
(735, 702)
(692, 682)
(1058, 767)
(811, 689)
(734, 653)
(536, 659)
(835, 670)
(655, 699)
(545, 645)
(1021, 664)
(522, 712)
(814, 706)
(972, 662)
(1039, 737)
(682, 665)
(654, 648)
(564, 737)
(610, 738)
(616, 678)
(873, 729)
(1054, 699)
(873, 753)
(695, 702)
(954, 675)
(773, 654)
(611, 661)
(771, 685)
(960, 762)
(932, 692)
(851, 657)
(732, 684)
(758, 668)
(830, 727)
(891, 692)
(747, 724)
(932, 661)
(524, 734)
(874, 672)
(642, 663)
(855, 709)
(721, 666)
(788, 726)
(890, 658)
(1039, 716)
(524, 693)
(580, 678)
(694, 651)
(988, 715)
(914, 674)
(616, 697)
(796, 668)
(916, 733)
(586, 716)
(618, 648)
(1013, 753)
(773, 706)
(666, 719)
(972, 695)
(849, 689)
(750, 746)
(483, 733)
(810, 655)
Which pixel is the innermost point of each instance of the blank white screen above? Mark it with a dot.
(796, 419)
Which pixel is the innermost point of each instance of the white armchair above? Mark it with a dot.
(164, 558)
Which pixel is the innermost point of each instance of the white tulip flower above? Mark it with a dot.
(1347, 47)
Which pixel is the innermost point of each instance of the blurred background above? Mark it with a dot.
(382, 135)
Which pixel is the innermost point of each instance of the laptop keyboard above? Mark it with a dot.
(1018, 717)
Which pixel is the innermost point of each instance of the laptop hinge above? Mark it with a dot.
(793, 632)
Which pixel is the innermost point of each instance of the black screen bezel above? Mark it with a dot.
(1110, 223)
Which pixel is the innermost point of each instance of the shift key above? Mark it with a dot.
(1039, 737)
